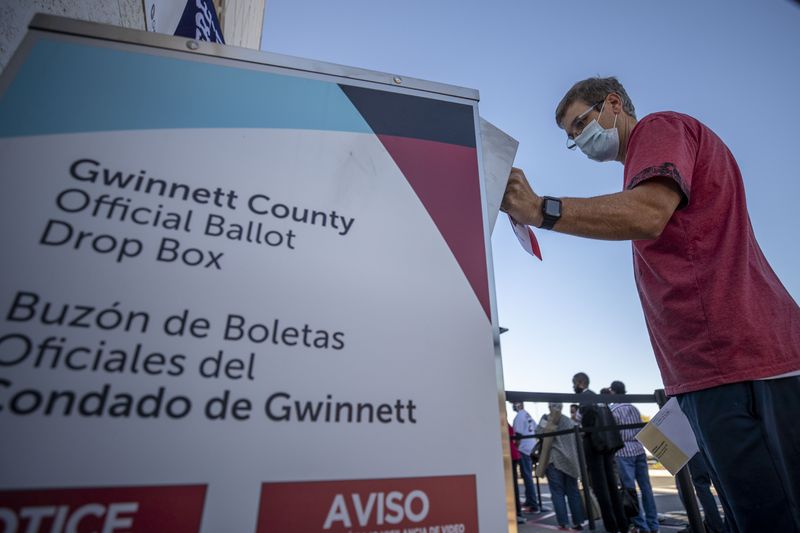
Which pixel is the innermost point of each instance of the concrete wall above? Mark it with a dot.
(16, 14)
(241, 21)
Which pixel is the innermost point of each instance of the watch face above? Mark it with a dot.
(552, 208)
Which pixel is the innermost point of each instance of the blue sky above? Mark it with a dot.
(733, 64)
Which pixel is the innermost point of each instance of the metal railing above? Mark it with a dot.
(683, 477)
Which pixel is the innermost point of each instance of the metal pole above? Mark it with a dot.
(684, 479)
(587, 498)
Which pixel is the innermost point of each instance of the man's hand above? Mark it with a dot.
(519, 200)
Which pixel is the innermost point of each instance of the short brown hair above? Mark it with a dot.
(594, 91)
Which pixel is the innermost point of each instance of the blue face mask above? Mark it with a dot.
(598, 143)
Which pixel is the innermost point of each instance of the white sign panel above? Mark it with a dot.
(245, 299)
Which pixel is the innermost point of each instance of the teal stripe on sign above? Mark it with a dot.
(70, 88)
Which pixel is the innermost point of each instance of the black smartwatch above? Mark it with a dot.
(551, 211)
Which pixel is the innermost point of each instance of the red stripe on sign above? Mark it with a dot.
(177, 508)
(445, 178)
(370, 505)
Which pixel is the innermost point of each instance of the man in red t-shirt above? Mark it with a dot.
(725, 332)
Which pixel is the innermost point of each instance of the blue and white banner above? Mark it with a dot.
(195, 19)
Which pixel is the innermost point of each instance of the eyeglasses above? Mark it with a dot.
(577, 126)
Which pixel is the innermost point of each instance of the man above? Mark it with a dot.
(524, 426)
(725, 332)
(632, 462)
(599, 448)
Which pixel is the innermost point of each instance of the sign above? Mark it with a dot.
(260, 286)
(669, 437)
(435, 504)
(138, 509)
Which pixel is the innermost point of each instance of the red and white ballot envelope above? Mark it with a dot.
(526, 238)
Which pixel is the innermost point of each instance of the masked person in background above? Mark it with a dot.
(524, 426)
(725, 332)
(559, 461)
(599, 447)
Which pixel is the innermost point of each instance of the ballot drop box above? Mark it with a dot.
(241, 292)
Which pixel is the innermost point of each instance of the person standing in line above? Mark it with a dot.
(599, 448)
(724, 329)
(523, 427)
(515, 457)
(632, 463)
(562, 468)
(573, 412)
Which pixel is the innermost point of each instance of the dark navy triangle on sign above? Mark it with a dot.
(403, 115)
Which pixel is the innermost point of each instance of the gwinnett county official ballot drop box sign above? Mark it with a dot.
(240, 296)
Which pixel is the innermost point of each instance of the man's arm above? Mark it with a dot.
(638, 213)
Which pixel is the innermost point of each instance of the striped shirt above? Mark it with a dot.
(625, 413)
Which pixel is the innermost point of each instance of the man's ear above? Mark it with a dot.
(614, 101)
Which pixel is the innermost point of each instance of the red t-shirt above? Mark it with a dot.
(715, 310)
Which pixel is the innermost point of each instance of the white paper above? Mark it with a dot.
(498, 150)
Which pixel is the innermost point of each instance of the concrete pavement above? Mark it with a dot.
(671, 514)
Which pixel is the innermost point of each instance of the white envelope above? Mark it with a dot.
(498, 150)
